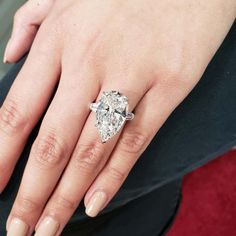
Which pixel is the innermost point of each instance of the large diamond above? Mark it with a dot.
(111, 111)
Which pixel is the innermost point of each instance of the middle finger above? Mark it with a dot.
(88, 158)
(52, 148)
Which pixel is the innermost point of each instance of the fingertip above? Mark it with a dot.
(96, 203)
(8, 222)
(5, 60)
(11, 53)
(18, 45)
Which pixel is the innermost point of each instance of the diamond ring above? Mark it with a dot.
(111, 113)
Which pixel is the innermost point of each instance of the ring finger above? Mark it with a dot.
(88, 158)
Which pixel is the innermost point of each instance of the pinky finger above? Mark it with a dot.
(27, 20)
(134, 139)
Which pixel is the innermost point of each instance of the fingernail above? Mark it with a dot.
(17, 227)
(5, 60)
(96, 203)
(48, 227)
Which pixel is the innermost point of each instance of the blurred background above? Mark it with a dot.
(7, 10)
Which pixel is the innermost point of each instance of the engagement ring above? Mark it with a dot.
(111, 113)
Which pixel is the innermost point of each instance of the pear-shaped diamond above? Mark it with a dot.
(111, 113)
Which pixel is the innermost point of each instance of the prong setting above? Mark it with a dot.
(111, 113)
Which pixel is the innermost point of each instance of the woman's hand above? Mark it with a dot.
(152, 51)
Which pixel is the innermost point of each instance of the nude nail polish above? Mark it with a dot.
(5, 59)
(96, 203)
(17, 227)
(48, 227)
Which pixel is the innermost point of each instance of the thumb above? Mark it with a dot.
(27, 20)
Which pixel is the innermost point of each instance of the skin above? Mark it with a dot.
(152, 51)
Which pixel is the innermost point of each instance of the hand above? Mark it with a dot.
(153, 51)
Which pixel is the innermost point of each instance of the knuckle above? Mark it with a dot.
(63, 202)
(19, 15)
(88, 157)
(59, 18)
(55, 33)
(116, 174)
(12, 119)
(26, 205)
(132, 142)
(49, 150)
(173, 71)
(174, 74)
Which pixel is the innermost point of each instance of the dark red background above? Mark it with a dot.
(208, 206)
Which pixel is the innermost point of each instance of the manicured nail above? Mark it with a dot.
(17, 227)
(96, 203)
(48, 227)
(5, 60)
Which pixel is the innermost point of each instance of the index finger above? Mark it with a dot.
(25, 103)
